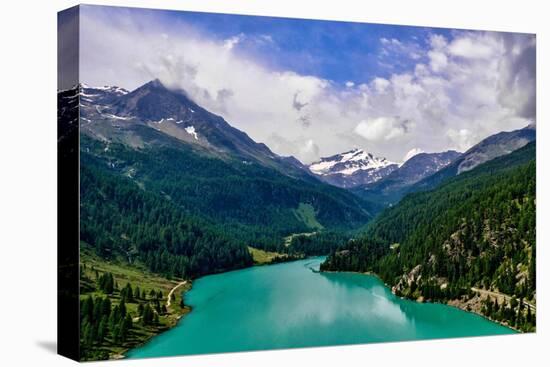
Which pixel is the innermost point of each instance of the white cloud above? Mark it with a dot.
(231, 42)
(458, 92)
(471, 48)
(411, 153)
(462, 139)
(380, 84)
(394, 50)
(516, 85)
(381, 128)
(302, 147)
(350, 84)
(438, 41)
(438, 60)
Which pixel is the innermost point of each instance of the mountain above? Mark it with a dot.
(428, 171)
(495, 146)
(391, 188)
(489, 148)
(130, 117)
(353, 168)
(103, 95)
(477, 229)
(418, 167)
(157, 141)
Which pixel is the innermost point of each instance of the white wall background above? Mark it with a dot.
(28, 181)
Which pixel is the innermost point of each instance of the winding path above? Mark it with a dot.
(169, 300)
(502, 295)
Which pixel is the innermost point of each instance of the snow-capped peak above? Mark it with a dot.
(348, 163)
(114, 89)
(106, 88)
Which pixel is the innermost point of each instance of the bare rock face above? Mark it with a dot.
(408, 282)
(495, 146)
(492, 147)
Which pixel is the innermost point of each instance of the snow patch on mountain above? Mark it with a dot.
(106, 88)
(116, 117)
(348, 163)
(191, 131)
(353, 168)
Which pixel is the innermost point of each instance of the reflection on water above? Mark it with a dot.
(289, 305)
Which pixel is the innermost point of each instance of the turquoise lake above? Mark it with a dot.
(290, 306)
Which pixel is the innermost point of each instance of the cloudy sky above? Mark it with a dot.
(314, 88)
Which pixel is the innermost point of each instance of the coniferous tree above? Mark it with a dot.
(103, 329)
(475, 229)
(147, 318)
(122, 308)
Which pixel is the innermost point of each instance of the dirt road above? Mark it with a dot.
(501, 296)
(169, 299)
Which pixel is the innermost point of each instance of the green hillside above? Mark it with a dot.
(113, 315)
(250, 201)
(306, 214)
(476, 230)
(187, 214)
(121, 220)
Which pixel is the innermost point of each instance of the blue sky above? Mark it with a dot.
(311, 88)
(338, 51)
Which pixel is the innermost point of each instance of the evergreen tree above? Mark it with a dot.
(103, 329)
(474, 229)
(147, 318)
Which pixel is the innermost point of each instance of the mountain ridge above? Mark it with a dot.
(173, 113)
(476, 230)
(388, 192)
(493, 146)
(255, 195)
(391, 188)
(352, 168)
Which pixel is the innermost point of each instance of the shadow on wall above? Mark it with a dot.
(49, 345)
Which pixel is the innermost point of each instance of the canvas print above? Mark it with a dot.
(235, 183)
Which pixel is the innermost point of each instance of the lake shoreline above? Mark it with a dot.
(139, 278)
(189, 309)
(125, 354)
(178, 317)
(456, 303)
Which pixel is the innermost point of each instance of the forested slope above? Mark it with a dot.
(476, 230)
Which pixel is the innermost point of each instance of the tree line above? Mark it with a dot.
(247, 202)
(477, 229)
(120, 220)
(106, 321)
